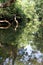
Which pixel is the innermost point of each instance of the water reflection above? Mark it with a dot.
(7, 61)
(30, 55)
(25, 56)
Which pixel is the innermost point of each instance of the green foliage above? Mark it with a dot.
(30, 26)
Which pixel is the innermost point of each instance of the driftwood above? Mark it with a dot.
(6, 4)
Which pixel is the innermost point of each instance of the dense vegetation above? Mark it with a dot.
(29, 14)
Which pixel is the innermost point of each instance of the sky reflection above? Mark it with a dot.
(27, 53)
(31, 54)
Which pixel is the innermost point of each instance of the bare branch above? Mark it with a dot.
(5, 26)
(16, 22)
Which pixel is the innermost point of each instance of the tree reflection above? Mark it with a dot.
(38, 39)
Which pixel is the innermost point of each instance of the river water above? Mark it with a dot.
(26, 56)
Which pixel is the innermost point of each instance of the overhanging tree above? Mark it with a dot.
(28, 26)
